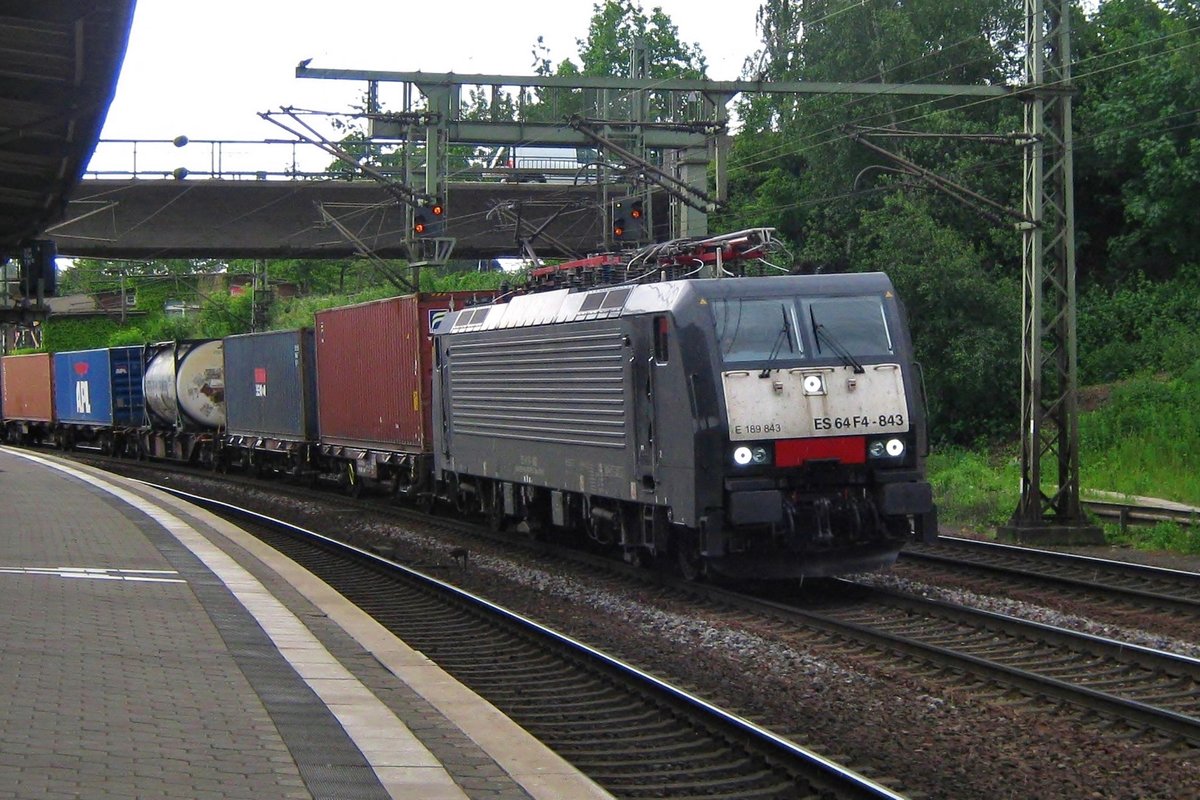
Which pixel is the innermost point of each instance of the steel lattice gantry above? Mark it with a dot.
(1049, 384)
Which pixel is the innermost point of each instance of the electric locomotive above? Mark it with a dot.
(765, 428)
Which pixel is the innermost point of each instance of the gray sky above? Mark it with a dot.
(205, 70)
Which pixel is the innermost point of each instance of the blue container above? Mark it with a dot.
(270, 385)
(99, 387)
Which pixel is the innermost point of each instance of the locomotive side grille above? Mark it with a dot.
(564, 389)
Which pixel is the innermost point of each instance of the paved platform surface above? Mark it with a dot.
(152, 650)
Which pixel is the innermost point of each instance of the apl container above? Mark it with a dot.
(271, 385)
(27, 384)
(99, 387)
(184, 384)
(374, 370)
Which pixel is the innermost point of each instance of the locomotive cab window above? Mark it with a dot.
(750, 329)
(851, 324)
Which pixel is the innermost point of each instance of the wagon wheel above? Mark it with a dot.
(353, 483)
(687, 554)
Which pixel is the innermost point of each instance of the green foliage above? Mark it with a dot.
(224, 315)
(1138, 325)
(1160, 536)
(67, 333)
(127, 336)
(1138, 153)
(964, 318)
(974, 490)
(617, 24)
(300, 312)
(1145, 440)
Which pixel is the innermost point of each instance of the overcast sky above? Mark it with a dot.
(205, 70)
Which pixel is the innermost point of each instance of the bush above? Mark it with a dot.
(1146, 439)
(973, 490)
(1138, 326)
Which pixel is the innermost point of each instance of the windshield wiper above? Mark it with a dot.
(821, 332)
(785, 334)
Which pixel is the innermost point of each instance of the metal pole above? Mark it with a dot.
(1049, 382)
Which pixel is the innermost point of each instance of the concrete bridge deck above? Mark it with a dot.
(210, 218)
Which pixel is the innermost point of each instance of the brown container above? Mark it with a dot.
(28, 387)
(374, 370)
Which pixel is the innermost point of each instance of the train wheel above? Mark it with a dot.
(687, 554)
(493, 510)
(352, 481)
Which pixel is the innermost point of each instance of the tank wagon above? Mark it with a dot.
(184, 387)
(755, 427)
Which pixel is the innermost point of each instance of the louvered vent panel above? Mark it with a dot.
(566, 389)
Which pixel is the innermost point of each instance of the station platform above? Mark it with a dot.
(152, 650)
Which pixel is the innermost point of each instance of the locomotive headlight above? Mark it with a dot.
(746, 455)
(886, 448)
(813, 384)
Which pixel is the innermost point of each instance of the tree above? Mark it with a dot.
(618, 26)
(965, 322)
(1138, 138)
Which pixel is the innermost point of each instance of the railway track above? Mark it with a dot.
(1138, 687)
(1136, 583)
(634, 734)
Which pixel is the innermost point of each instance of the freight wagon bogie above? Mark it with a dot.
(405, 476)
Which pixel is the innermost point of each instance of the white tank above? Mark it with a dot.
(187, 378)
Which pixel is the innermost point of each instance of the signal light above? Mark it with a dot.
(628, 219)
(430, 220)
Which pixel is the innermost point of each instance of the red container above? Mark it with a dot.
(374, 371)
(28, 386)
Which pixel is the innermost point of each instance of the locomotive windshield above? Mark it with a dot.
(761, 329)
(855, 324)
(757, 330)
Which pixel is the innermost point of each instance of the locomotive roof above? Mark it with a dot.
(565, 305)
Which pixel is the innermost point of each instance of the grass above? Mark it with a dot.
(1144, 440)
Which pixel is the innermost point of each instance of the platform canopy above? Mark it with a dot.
(59, 63)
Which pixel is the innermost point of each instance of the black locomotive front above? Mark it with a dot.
(823, 436)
